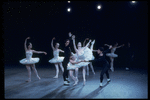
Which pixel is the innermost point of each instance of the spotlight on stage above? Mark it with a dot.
(99, 7)
(133, 1)
(68, 1)
(69, 9)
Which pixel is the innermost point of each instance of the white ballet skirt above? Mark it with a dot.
(112, 54)
(85, 55)
(56, 58)
(29, 59)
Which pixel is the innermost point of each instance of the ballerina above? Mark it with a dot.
(112, 55)
(56, 60)
(83, 53)
(72, 66)
(29, 61)
(91, 66)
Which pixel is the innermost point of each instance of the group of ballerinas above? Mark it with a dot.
(82, 57)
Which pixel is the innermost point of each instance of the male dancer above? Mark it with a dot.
(67, 54)
(101, 59)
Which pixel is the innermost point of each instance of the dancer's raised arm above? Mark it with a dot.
(25, 47)
(85, 41)
(74, 45)
(120, 46)
(52, 43)
(106, 45)
(87, 44)
(92, 44)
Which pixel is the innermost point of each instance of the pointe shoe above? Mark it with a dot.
(55, 77)
(84, 82)
(75, 83)
(87, 74)
(38, 77)
(112, 69)
(94, 73)
(29, 80)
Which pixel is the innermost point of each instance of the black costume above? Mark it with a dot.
(105, 65)
(67, 54)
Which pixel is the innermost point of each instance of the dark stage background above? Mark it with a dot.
(116, 21)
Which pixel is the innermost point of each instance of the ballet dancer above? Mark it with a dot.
(29, 61)
(101, 60)
(72, 66)
(82, 54)
(91, 66)
(112, 55)
(67, 54)
(57, 61)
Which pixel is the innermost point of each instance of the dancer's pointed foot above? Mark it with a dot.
(55, 76)
(94, 73)
(84, 82)
(112, 69)
(76, 81)
(38, 77)
(29, 80)
(87, 74)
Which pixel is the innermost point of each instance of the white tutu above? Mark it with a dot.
(111, 55)
(71, 66)
(29, 59)
(87, 55)
(56, 60)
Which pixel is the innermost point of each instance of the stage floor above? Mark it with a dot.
(124, 84)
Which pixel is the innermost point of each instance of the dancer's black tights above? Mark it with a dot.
(104, 71)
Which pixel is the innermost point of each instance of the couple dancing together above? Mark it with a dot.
(82, 58)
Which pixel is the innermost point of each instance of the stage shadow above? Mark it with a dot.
(52, 93)
(95, 92)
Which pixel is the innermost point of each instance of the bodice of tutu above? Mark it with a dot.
(29, 55)
(113, 50)
(80, 55)
(56, 53)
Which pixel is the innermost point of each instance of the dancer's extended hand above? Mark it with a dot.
(53, 38)
(28, 38)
